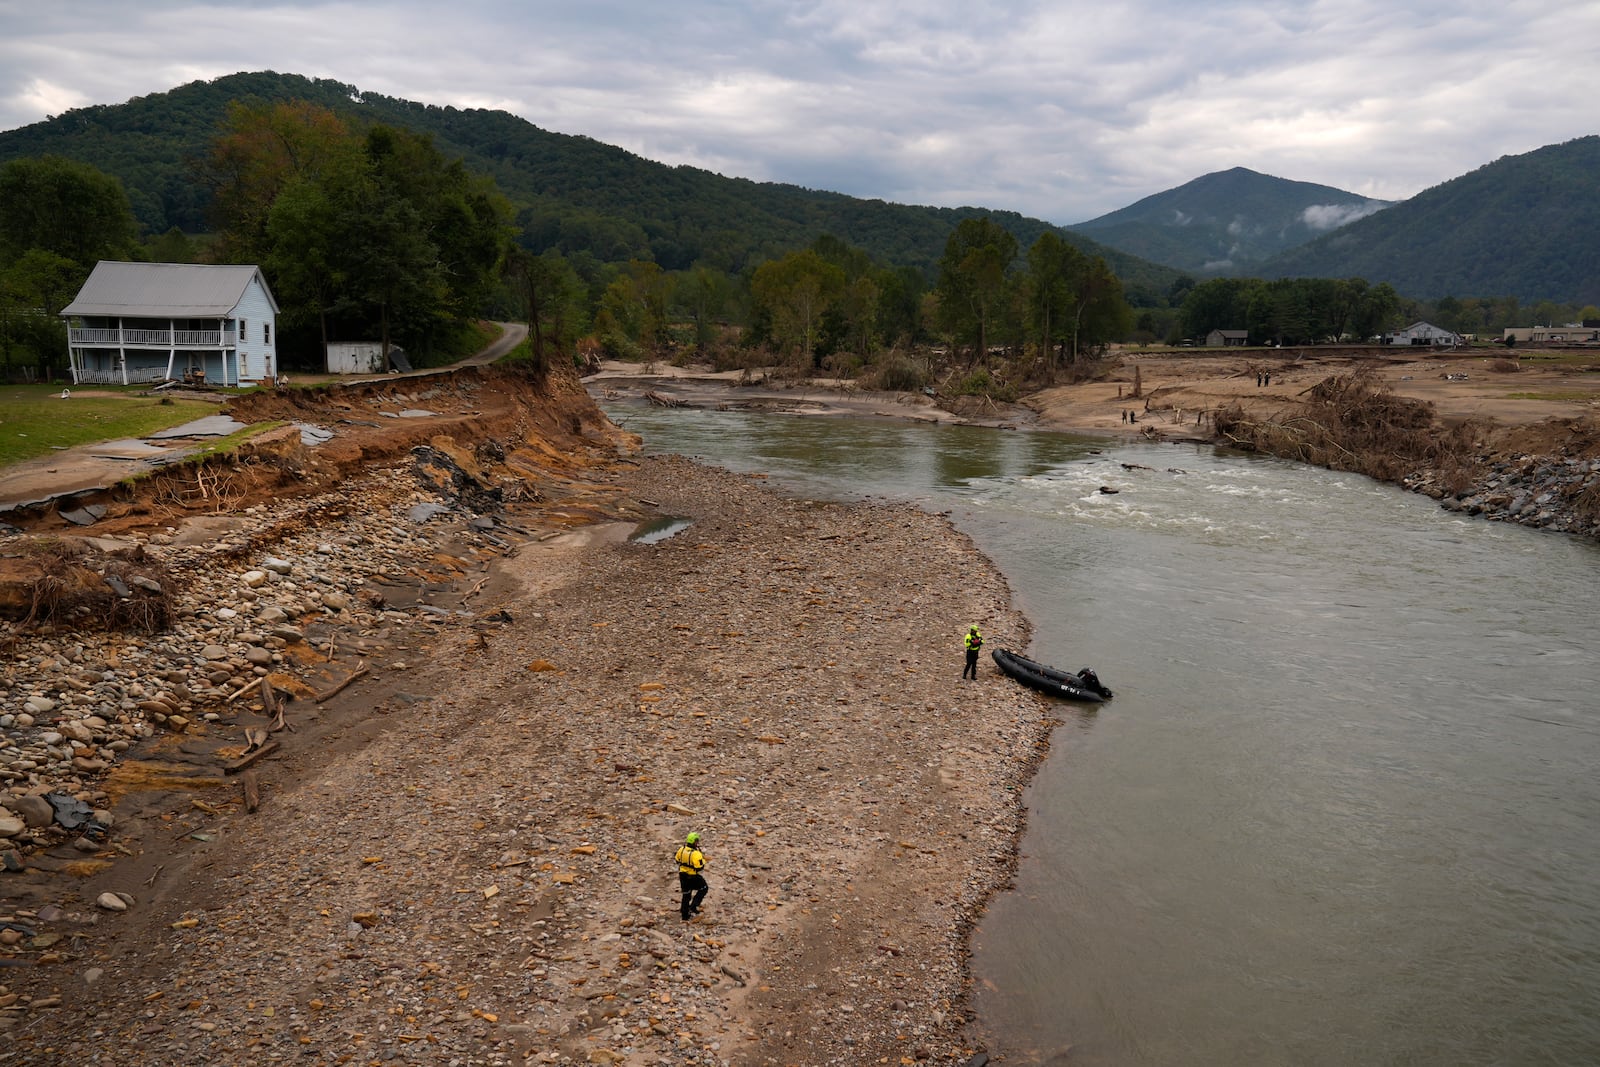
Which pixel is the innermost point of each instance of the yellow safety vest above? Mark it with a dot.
(689, 860)
(974, 641)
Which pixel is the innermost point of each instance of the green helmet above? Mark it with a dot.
(692, 839)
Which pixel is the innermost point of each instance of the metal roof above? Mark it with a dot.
(165, 290)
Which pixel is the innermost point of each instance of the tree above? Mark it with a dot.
(171, 247)
(1547, 313)
(464, 218)
(1074, 301)
(549, 291)
(852, 317)
(632, 315)
(1218, 304)
(1100, 314)
(392, 268)
(857, 307)
(33, 290)
(262, 150)
(1379, 309)
(1280, 311)
(66, 208)
(972, 279)
(1450, 313)
(900, 292)
(1347, 297)
(306, 257)
(703, 291)
(1052, 266)
(794, 292)
(361, 234)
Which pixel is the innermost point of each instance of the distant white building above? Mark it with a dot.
(1571, 333)
(151, 322)
(1423, 333)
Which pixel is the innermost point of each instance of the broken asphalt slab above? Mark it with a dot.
(210, 426)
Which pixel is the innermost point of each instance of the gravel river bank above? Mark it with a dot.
(464, 855)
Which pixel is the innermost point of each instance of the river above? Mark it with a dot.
(1343, 809)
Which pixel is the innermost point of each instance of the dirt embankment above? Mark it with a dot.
(537, 421)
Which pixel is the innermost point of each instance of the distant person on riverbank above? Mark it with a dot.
(691, 861)
(974, 643)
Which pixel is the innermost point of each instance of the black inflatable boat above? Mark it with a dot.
(1084, 686)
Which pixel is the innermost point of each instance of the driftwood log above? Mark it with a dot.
(336, 690)
(274, 707)
(249, 759)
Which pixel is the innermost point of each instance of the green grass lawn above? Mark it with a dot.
(35, 421)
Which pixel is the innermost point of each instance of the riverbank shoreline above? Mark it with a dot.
(476, 830)
(1536, 460)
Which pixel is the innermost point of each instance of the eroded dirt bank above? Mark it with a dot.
(532, 425)
(463, 856)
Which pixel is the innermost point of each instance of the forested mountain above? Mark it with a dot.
(1526, 226)
(1227, 222)
(574, 194)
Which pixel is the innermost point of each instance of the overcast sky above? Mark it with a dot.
(1063, 111)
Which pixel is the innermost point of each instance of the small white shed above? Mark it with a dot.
(355, 357)
(365, 357)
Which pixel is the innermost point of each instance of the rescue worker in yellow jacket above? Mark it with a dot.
(974, 642)
(691, 861)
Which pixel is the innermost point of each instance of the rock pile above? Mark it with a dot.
(1555, 493)
(266, 591)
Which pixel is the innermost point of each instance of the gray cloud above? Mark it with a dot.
(1060, 110)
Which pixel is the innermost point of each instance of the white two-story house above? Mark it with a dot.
(150, 322)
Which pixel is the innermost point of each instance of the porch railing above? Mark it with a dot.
(141, 338)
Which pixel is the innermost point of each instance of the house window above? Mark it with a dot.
(266, 333)
(244, 331)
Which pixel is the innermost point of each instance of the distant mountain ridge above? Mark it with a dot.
(1526, 226)
(574, 193)
(1228, 222)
